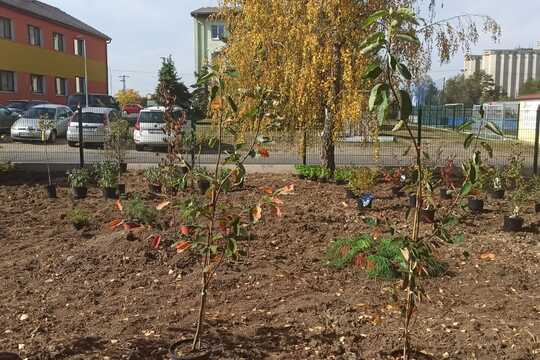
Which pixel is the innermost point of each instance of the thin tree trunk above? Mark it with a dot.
(328, 160)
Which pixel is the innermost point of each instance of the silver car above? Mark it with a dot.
(27, 127)
(149, 127)
(95, 122)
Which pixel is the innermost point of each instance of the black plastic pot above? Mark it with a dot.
(197, 355)
(445, 194)
(203, 185)
(412, 201)
(428, 216)
(51, 191)
(79, 192)
(350, 194)
(512, 224)
(323, 179)
(397, 191)
(121, 189)
(109, 193)
(498, 194)
(537, 208)
(301, 176)
(156, 189)
(341, 182)
(123, 168)
(475, 205)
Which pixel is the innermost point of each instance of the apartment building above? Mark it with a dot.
(209, 32)
(509, 68)
(42, 50)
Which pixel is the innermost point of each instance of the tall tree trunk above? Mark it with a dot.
(328, 160)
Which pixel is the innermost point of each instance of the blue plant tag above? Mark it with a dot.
(366, 199)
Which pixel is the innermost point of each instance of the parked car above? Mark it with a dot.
(7, 118)
(131, 109)
(20, 106)
(149, 127)
(27, 127)
(94, 122)
(94, 100)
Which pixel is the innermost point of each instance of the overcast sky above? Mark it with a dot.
(143, 31)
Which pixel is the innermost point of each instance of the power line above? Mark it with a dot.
(123, 79)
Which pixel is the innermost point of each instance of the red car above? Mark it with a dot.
(132, 109)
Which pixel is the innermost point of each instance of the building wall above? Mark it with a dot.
(24, 59)
(527, 120)
(205, 46)
(509, 68)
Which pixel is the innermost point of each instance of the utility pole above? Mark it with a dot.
(123, 79)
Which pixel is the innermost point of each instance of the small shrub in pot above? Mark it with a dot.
(135, 211)
(108, 173)
(154, 179)
(79, 179)
(78, 218)
(514, 221)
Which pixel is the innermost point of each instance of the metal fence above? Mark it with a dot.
(355, 145)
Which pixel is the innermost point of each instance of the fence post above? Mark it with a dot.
(304, 147)
(419, 121)
(81, 141)
(536, 141)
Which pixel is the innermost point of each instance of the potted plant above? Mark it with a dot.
(203, 180)
(362, 180)
(514, 221)
(108, 173)
(46, 127)
(475, 200)
(154, 178)
(118, 142)
(173, 178)
(342, 176)
(447, 177)
(324, 175)
(497, 185)
(78, 180)
(397, 179)
(301, 171)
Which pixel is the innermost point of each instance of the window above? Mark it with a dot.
(37, 84)
(58, 41)
(217, 32)
(79, 47)
(34, 35)
(7, 81)
(5, 29)
(61, 87)
(80, 85)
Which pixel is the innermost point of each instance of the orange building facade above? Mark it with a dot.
(41, 54)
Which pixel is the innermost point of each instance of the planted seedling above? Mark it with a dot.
(397, 179)
(447, 173)
(154, 178)
(518, 198)
(78, 218)
(79, 179)
(108, 173)
(46, 127)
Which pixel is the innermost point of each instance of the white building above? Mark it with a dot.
(509, 68)
(209, 32)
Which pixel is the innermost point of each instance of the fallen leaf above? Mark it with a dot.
(268, 190)
(277, 211)
(154, 241)
(264, 152)
(130, 226)
(185, 230)
(116, 223)
(119, 205)
(488, 256)
(344, 204)
(163, 205)
(256, 213)
(182, 246)
(286, 190)
(277, 201)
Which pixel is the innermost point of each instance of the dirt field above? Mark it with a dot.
(100, 294)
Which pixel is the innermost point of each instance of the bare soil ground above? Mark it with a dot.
(100, 294)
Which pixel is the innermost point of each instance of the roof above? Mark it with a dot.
(205, 11)
(529, 97)
(52, 13)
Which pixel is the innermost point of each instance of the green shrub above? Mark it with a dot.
(380, 258)
(136, 211)
(343, 174)
(153, 175)
(79, 218)
(107, 173)
(79, 178)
